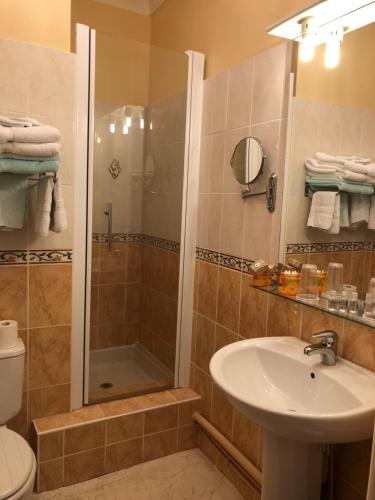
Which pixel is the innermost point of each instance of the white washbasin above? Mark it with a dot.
(272, 382)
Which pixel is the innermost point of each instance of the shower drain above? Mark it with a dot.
(106, 385)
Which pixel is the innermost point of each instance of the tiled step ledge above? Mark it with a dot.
(99, 439)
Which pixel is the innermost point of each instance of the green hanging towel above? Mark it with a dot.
(13, 200)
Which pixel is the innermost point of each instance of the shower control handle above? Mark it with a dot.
(108, 213)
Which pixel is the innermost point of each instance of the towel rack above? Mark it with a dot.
(41, 176)
(309, 192)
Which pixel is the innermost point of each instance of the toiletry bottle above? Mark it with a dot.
(371, 286)
(369, 304)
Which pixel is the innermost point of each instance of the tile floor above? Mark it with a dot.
(188, 475)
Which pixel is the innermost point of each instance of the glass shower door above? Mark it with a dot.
(137, 190)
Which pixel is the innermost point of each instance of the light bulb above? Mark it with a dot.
(112, 128)
(142, 123)
(128, 121)
(306, 50)
(125, 130)
(308, 34)
(332, 53)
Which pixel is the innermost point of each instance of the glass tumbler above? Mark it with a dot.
(335, 275)
(309, 286)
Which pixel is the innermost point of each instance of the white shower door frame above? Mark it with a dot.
(85, 91)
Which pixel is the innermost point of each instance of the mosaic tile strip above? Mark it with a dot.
(35, 257)
(13, 257)
(224, 260)
(170, 245)
(344, 246)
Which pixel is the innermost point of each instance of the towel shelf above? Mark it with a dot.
(311, 189)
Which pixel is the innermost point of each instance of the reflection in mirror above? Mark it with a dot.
(247, 160)
(329, 210)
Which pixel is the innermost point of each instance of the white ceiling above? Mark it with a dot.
(146, 7)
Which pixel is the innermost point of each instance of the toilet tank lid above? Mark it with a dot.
(16, 462)
(14, 351)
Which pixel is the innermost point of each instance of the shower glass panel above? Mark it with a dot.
(137, 183)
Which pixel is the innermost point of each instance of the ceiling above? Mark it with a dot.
(146, 7)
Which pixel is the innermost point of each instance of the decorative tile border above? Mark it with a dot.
(172, 246)
(17, 257)
(344, 246)
(224, 260)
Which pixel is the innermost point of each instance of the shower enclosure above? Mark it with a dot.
(137, 241)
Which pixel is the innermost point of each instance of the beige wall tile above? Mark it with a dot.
(84, 437)
(50, 446)
(231, 227)
(187, 437)
(222, 412)
(284, 317)
(215, 103)
(246, 436)
(211, 163)
(208, 281)
(205, 342)
(228, 302)
(49, 401)
(122, 455)
(352, 462)
(111, 304)
(253, 312)
(160, 444)
(132, 302)
(202, 384)
(186, 410)
(133, 262)
(112, 263)
(50, 475)
(110, 336)
(240, 94)
(357, 344)
(49, 356)
(161, 419)
(50, 295)
(83, 466)
(13, 294)
(224, 337)
(126, 427)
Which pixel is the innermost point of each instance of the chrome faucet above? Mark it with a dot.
(327, 347)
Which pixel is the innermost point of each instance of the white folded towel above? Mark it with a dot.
(42, 219)
(353, 176)
(18, 122)
(371, 219)
(44, 133)
(322, 210)
(31, 148)
(59, 221)
(359, 209)
(315, 166)
(335, 227)
(353, 166)
(324, 157)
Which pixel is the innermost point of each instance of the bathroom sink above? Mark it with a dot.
(272, 382)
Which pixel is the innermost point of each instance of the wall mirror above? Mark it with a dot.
(247, 161)
(332, 164)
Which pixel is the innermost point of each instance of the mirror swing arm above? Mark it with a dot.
(270, 192)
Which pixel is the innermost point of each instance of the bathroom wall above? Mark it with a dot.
(226, 32)
(251, 97)
(43, 22)
(35, 272)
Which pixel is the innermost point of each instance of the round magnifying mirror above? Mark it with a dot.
(247, 160)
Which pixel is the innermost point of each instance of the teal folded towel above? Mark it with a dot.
(344, 210)
(13, 199)
(329, 182)
(12, 156)
(27, 167)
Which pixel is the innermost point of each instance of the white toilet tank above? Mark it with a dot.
(12, 361)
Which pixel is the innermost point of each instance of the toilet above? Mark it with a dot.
(17, 460)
